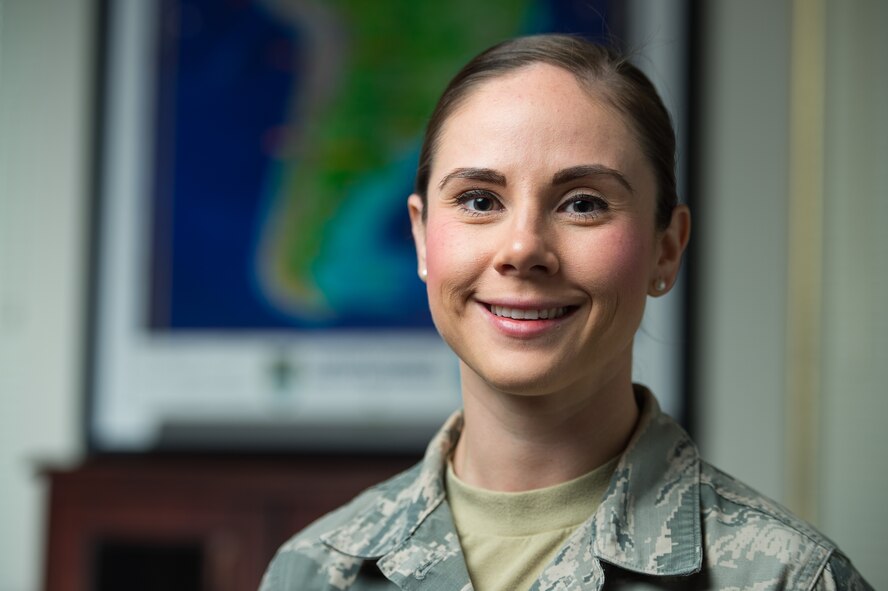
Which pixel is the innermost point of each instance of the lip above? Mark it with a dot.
(525, 329)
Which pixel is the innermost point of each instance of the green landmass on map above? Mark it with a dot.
(377, 71)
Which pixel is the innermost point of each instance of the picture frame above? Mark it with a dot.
(254, 286)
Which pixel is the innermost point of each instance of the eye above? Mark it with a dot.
(477, 201)
(584, 206)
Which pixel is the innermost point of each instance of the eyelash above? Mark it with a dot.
(463, 198)
(595, 200)
(601, 205)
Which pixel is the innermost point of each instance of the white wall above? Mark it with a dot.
(44, 153)
(854, 465)
(741, 232)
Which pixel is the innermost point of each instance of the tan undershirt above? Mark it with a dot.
(508, 538)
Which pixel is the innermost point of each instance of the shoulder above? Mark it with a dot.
(734, 504)
(745, 531)
(305, 561)
(840, 575)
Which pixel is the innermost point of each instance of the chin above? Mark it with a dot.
(523, 382)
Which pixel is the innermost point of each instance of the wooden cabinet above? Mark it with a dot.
(189, 523)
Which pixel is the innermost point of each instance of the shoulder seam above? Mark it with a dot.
(798, 526)
(823, 567)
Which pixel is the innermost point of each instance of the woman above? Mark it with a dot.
(544, 215)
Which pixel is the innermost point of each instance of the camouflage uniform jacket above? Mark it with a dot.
(667, 521)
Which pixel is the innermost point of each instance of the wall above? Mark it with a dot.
(853, 479)
(739, 230)
(746, 416)
(44, 153)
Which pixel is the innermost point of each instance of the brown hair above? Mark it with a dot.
(599, 70)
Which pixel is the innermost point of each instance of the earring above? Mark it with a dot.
(660, 285)
(424, 273)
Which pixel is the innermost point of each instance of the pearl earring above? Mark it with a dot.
(424, 273)
(660, 285)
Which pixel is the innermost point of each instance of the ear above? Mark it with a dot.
(671, 244)
(417, 224)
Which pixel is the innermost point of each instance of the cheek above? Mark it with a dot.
(616, 260)
(453, 266)
(437, 244)
(452, 254)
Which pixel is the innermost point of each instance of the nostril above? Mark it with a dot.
(527, 254)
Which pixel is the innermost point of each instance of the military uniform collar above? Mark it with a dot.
(648, 521)
(403, 504)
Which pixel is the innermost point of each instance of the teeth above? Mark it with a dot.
(517, 314)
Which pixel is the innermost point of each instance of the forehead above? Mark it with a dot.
(539, 117)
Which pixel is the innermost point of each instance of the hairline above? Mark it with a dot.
(596, 92)
(604, 73)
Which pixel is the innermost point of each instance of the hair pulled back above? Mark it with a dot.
(601, 71)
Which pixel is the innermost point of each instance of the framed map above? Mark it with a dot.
(255, 282)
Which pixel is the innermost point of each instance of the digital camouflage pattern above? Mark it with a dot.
(668, 521)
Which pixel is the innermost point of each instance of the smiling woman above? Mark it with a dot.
(544, 216)
(530, 214)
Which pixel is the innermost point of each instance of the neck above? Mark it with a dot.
(522, 442)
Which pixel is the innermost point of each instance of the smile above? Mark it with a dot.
(524, 314)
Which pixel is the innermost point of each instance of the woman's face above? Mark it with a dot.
(540, 242)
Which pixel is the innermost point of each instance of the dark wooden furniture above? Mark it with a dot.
(195, 523)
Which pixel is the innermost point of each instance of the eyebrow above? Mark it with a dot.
(487, 175)
(585, 170)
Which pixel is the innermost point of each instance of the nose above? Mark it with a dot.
(526, 249)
